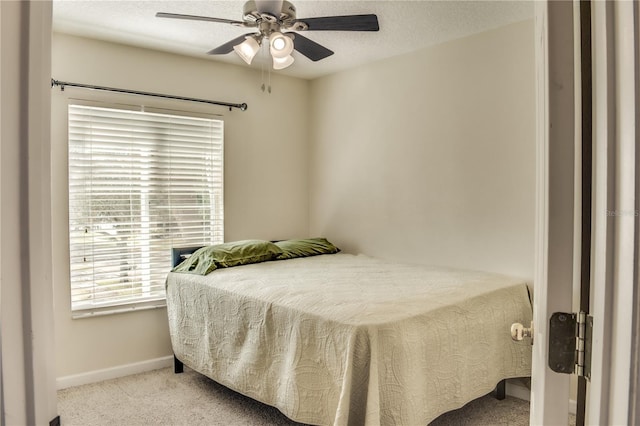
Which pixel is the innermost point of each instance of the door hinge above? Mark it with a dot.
(570, 343)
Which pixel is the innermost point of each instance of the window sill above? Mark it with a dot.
(113, 310)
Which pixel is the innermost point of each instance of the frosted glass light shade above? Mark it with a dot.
(281, 63)
(281, 46)
(248, 49)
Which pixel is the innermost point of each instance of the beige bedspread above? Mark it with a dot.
(349, 340)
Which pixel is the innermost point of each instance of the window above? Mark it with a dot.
(139, 183)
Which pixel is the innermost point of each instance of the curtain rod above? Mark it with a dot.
(62, 84)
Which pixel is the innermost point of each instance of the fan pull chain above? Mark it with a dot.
(263, 60)
(262, 74)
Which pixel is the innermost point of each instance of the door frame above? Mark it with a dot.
(612, 396)
(28, 388)
(615, 211)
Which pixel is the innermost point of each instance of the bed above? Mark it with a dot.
(342, 339)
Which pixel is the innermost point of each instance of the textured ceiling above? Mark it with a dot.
(404, 26)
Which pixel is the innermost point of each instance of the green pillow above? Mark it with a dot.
(226, 255)
(305, 247)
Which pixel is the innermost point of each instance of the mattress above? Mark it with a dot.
(351, 340)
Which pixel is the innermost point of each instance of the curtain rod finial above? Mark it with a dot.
(57, 83)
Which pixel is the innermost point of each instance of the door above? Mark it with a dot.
(612, 249)
(555, 198)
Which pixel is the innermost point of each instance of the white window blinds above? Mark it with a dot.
(139, 183)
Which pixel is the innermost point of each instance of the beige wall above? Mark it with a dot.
(265, 174)
(430, 157)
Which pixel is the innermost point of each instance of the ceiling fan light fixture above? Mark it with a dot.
(269, 18)
(282, 63)
(248, 49)
(281, 45)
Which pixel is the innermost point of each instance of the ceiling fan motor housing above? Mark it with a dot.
(287, 14)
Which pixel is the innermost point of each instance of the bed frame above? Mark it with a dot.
(178, 254)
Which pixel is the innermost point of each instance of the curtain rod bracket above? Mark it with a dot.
(57, 83)
(62, 84)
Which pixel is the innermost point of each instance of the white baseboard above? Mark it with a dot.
(518, 391)
(113, 372)
(573, 406)
(522, 392)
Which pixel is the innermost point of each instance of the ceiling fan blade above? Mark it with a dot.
(198, 18)
(310, 48)
(272, 7)
(342, 23)
(228, 46)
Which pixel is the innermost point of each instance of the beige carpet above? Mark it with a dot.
(161, 397)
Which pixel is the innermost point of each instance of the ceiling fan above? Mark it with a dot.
(275, 23)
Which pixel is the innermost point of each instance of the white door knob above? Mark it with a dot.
(519, 332)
